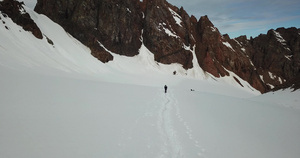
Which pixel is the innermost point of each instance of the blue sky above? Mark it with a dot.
(240, 17)
(29, 3)
(245, 17)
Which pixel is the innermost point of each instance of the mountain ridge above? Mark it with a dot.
(172, 36)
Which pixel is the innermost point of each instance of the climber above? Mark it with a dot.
(166, 88)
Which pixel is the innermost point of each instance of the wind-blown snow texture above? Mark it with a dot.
(58, 101)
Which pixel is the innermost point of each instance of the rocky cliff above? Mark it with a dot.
(276, 56)
(121, 26)
(15, 10)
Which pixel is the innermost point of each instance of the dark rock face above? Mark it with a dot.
(279, 52)
(118, 25)
(115, 24)
(17, 13)
(275, 56)
(167, 33)
(293, 83)
(218, 54)
(209, 48)
(122, 26)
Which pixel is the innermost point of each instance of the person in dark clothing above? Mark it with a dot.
(166, 88)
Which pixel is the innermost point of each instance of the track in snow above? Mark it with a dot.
(159, 132)
(169, 122)
(171, 146)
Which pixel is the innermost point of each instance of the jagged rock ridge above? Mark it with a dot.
(16, 12)
(122, 26)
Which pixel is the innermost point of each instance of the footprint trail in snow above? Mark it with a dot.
(169, 122)
(160, 131)
(169, 115)
(171, 146)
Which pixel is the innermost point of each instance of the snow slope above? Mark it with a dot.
(58, 101)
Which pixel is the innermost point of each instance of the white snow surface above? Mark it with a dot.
(279, 38)
(228, 45)
(162, 27)
(214, 29)
(58, 101)
(288, 57)
(177, 17)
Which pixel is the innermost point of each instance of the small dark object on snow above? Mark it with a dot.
(166, 88)
(192, 90)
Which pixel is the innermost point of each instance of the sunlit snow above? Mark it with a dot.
(59, 101)
(228, 45)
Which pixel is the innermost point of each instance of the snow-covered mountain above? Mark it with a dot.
(57, 100)
(56, 50)
(265, 62)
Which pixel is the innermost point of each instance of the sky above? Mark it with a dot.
(245, 17)
(240, 17)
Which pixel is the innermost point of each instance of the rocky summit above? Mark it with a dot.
(266, 62)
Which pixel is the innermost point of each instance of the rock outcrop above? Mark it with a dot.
(276, 55)
(121, 26)
(17, 13)
(218, 54)
(167, 33)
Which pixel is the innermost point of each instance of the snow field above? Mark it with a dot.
(58, 101)
(227, 126)
(46, 116)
